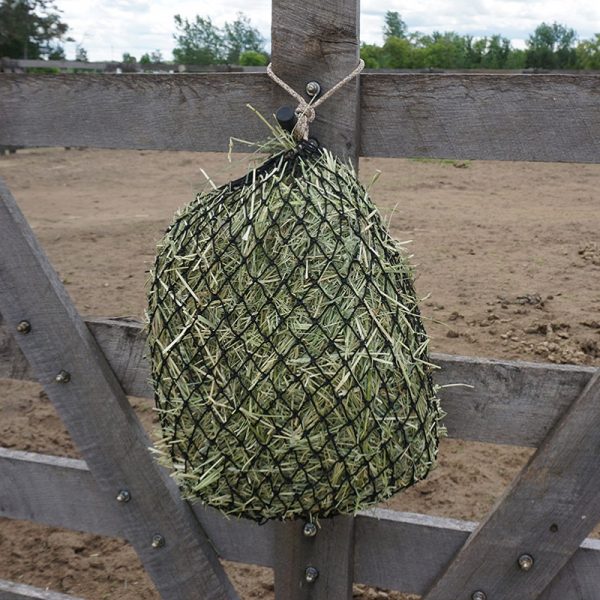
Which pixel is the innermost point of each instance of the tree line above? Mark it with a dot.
(35, 29)
(550, 46)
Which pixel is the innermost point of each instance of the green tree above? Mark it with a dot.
(201, 42)
(588, 53)
(397, 53)
(252, 58)
(198, 42)
(497, 53)
(442, 50)
(551, 47)
(30, 28)
(239, 37)
(516, 59)
(151, 57)
(394, 26)
(372, 54)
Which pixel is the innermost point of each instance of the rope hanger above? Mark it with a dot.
(306, 111)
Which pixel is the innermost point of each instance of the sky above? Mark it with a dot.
(108, 29)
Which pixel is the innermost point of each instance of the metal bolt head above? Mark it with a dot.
(311, 574)
(313, 88)
(525, 562)
(309, 530)
(158, 541)
(123, 496)
(63, 377)
(478, 595)
(24, 327)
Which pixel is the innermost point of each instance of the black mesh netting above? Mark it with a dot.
(288, 355)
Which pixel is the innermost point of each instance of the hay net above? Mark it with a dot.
(289, 360)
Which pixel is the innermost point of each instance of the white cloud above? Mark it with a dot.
(107, 29)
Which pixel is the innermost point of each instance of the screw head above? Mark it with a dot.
(478, 595)
(311, 574)
(24, 327)
(313, 88)
(123, 496)
(310, 530)
(158, 541)
(525, 562)
(63, 377)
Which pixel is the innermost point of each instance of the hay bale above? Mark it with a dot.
(288, 355)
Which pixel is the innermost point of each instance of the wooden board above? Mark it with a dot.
(319, 41)
(57, 491)
(330, 552)
(500, 117)
(463, 116)
(10, 590)
(546, 513)
(100, 420)
(499, 403)
(393, 550)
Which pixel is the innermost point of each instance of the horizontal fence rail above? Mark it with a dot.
(393, 550)
(463, 116)
(496, 401)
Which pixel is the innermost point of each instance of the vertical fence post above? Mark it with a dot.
(313, 40)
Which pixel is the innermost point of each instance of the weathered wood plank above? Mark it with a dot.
(469, 116)
(330, 552)
(93, 406)
(499, 403)
(506, 402)
(9, 590)
(319, 41)
(546, 513)
(500, 117)
(166, 112)
(57, 491)
(393, 550)
(406, 552)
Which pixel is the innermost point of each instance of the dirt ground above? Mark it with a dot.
(508, 261)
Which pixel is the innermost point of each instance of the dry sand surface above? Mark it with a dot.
(508, 254)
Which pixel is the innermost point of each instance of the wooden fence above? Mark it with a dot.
(532, 545)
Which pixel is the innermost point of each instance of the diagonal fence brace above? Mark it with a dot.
(78, 380)
(535, 529)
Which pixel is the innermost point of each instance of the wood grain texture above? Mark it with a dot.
(99, 418)
(331, 552)
(167, 112)
(319, 41)
(10, 590)
(547, 512)
(393, 550)
(478, 116)
(498, 403)
(463, 116)
(57, 491)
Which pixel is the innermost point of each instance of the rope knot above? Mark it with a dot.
(305, 114)
(306, 111)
